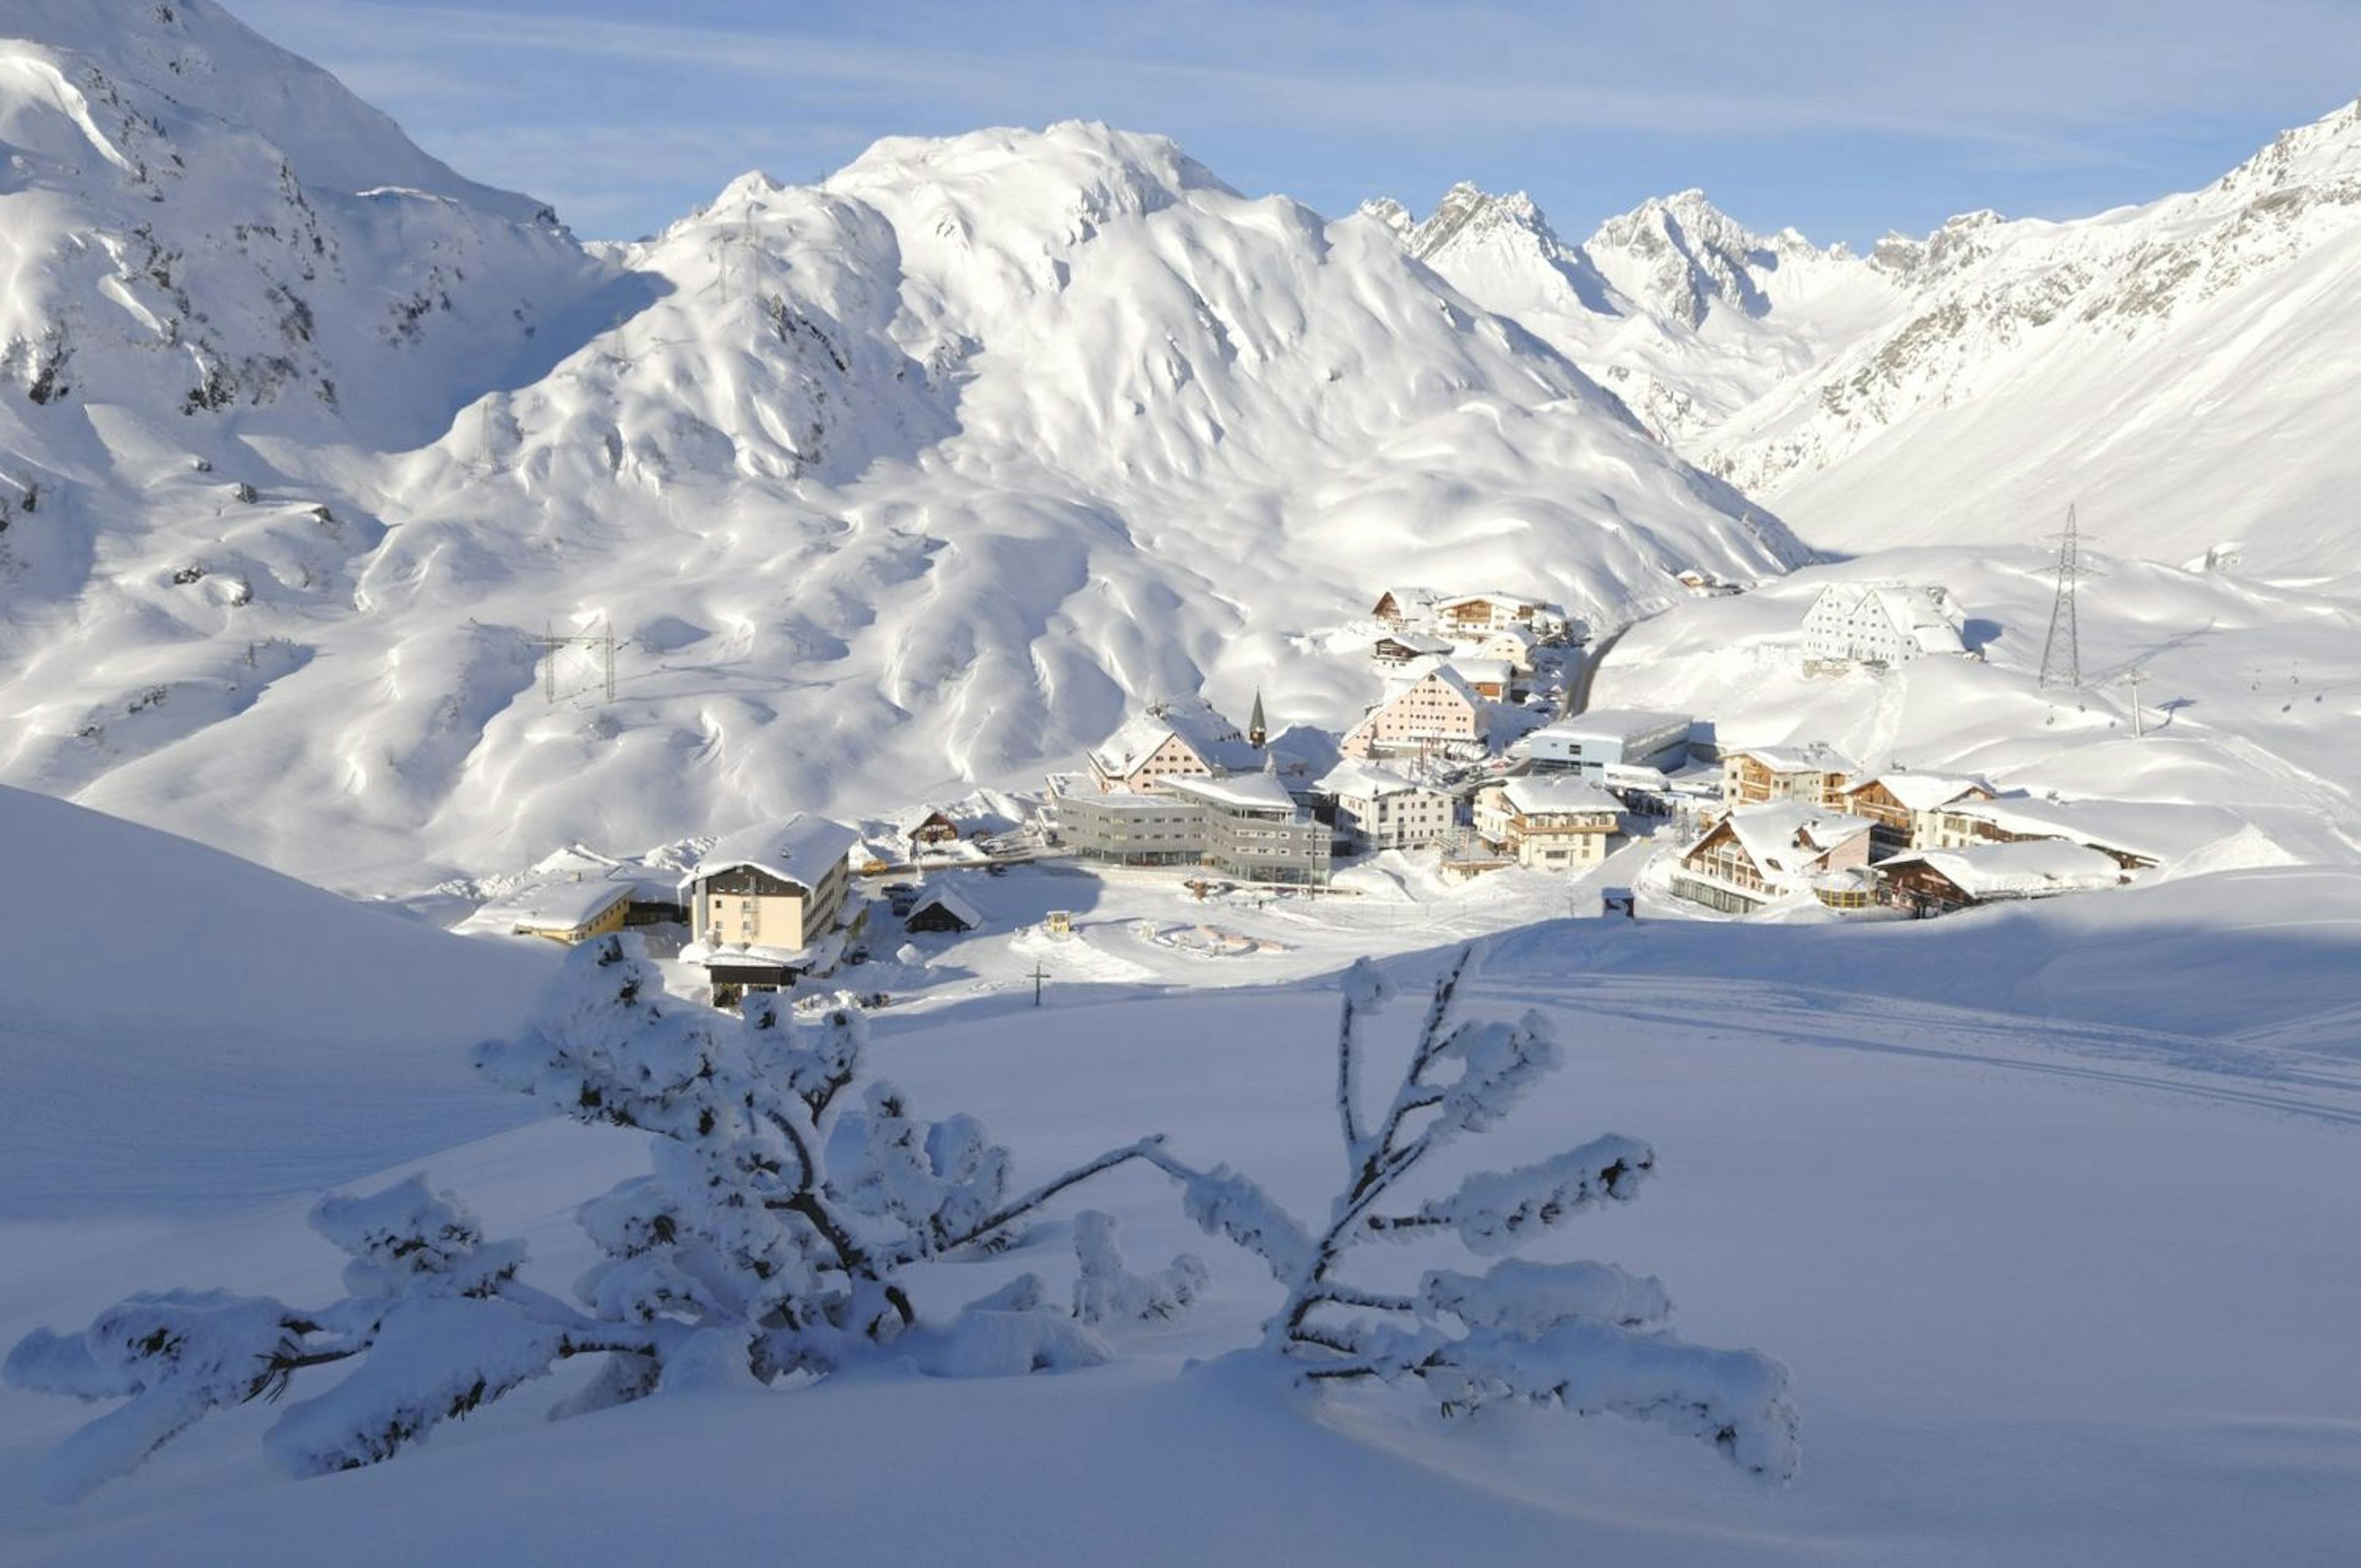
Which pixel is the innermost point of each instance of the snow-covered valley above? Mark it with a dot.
(381, 561)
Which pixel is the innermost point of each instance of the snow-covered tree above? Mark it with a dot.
(768, 1237)
(1105, 1291)
(1586, 1336)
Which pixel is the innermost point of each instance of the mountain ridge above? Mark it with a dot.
(912, 479)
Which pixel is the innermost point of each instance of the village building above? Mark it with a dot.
(1257, 832)
(1936, 882)
(1494, 680)
(1815, 774)
(1378, 808)
(1879, 624)
(935, 830)
(2136, 834)
(1246, 826)
(1511, 645)
(1436, 713)
(1404, 647)
(1589, 743)
(1553, 822)
(1465, 614)
(1757, 854)
(566, 911)
(1150, 827)
(1400, 607)
(1179, 738)
(941, 909)
(764, 902)
(1904, 806)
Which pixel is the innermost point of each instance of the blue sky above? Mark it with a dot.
(1843, 119)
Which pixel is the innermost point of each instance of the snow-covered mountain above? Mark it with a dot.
(922, 474)
(2177, 367)
(2183, 368)
(1674, 305)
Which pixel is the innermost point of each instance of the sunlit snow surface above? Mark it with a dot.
(2036, 1203)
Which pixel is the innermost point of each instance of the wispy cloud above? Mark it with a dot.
(592, 97)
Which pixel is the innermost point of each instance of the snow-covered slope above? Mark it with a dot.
(1976, 1237)
(2180, 367)
(918, 476)
(175, 1024)
(2183, 368)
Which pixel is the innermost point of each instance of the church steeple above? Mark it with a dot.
(1258, 733)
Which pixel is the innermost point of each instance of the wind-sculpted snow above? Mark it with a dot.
(921, 475)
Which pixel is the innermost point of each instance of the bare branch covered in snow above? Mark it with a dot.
(1584, 1336)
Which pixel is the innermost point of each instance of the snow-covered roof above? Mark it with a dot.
(1486, 672)
(1262, 791)
(1416, 641)
(1625, 724)
(1554, 794)
(949, 901)
(1365, 781)
(1491, 595)
(802, 850)
(648, 877)
(2029, 870)
(1788, 838)
(1404, 598)
(1817, 757)
(2152, 829)
(566, 905)
(1923, 792)
(1451, 678)
(1198, 723)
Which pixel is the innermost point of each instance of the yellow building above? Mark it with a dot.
(566, 912)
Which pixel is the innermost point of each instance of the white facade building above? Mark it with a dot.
(1872, 623)
(1589, 743)
(1378, 808)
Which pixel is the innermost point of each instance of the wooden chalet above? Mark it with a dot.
(934, 830)
(1903, 806)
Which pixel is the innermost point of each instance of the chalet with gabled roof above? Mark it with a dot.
(1904, 806)
(1757, 854)
(1938, 881)
(1399, 607)
(1760, 775)
(1438, 712)
(1179, 738)
(1555, 821)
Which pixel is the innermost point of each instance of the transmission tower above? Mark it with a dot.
(601, 645)
(2062, 656)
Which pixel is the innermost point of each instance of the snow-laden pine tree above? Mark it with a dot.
(1584, 1336)
(769, 1236)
